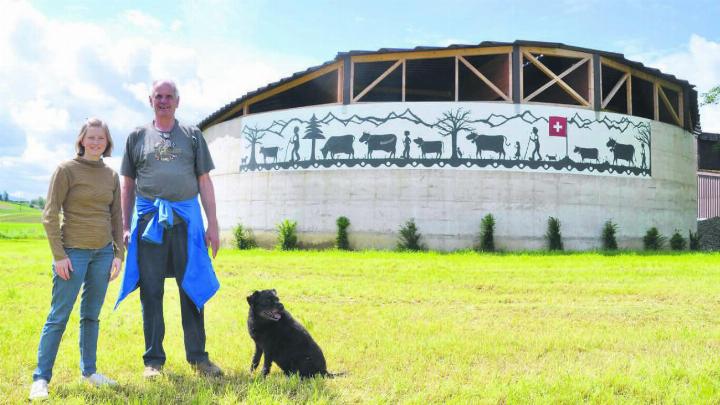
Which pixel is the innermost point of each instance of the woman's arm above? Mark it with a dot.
(116, 221)
(57, 192)
(59, 186)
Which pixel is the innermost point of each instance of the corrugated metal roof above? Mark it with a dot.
(709, 136)
(618, 57)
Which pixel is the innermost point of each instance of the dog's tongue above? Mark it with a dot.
(276, 314)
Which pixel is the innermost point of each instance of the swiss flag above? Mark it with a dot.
(558, 126)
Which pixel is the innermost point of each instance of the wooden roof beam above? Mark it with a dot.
(485, 79)
(378, 80)
(615, 89)
(669, 106)
(569, 90)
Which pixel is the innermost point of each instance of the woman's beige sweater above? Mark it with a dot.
(88, 194)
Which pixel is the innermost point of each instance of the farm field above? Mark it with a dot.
(406, 328)
(12, 212)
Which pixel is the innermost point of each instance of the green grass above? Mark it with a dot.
(12, 212)
(406, 328)
(18, 230)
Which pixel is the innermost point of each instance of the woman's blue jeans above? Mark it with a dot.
(92, 273)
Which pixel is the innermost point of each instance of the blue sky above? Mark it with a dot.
(62, 61)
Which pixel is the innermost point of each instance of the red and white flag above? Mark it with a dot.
(558, 126)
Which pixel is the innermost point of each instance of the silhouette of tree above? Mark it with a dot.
(313, 132)
(253, 135)
(451, 123)
(643, 135)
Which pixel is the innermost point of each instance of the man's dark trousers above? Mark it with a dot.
(156, 262)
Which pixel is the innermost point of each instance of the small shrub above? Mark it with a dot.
(608, 235)
(694, 240)
(341, 240)
(487, 232)
(244, 238)
(287, 235)
(410, 237)
(677, 242)
(553, 236)
(653, 240)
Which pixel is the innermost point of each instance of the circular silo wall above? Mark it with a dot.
(456, 163)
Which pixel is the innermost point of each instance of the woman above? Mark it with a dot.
(87, 250)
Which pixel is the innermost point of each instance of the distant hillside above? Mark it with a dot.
(12, 212)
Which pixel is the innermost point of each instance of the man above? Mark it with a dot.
(535, 138)
(406, 146)
(295, 156)
(164, 168)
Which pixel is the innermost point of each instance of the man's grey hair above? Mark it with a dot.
(157, 83)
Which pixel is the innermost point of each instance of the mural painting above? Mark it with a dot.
(459, 135)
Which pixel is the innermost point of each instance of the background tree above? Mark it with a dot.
(313, 132)
(5, 196)
(38, 203)
(451, 123)
(711, 97)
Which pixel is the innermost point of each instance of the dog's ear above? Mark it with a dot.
(273, 292)
(251, 298)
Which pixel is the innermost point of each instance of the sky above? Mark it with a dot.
(64, 61)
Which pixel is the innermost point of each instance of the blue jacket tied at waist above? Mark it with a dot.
(199, 281)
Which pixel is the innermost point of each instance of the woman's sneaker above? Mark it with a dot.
(98, 380)
(38, 390)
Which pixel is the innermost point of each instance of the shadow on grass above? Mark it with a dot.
(189, 388)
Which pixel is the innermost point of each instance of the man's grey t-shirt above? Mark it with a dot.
(166, 164)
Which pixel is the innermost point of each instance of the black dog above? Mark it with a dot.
(281, 338)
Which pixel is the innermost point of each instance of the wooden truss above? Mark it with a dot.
(558, 78)
(498, 83)
(459, 55)
(659, 92)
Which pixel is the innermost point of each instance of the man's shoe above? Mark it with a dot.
(38, 390)
(207, 369)
(98, 380)
(152, 371)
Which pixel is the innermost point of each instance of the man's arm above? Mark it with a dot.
(207, 196)
(127, 201)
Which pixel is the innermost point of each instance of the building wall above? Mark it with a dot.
(448, 202)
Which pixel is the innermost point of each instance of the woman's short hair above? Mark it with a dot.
(94, 123)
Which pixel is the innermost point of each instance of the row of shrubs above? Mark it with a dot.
(409, 237)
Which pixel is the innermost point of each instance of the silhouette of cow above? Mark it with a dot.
(587, 153)
(338, 144)
(270, 152)
(429, 147)
(493, 143)
(621, 151)
(384, 142)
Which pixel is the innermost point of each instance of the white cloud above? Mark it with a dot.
(56, 73)
(38, 116)
(699, 64)
(176, 25)
(142, 20)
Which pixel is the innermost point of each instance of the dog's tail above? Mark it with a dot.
(328, 374)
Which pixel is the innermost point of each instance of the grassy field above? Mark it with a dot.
(406, 328)
(20, 222)
(11, 212)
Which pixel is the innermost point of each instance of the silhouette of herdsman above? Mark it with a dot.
(517, 150)
(406, 144)
(643, 165)
(296, 146)
(536, 144)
